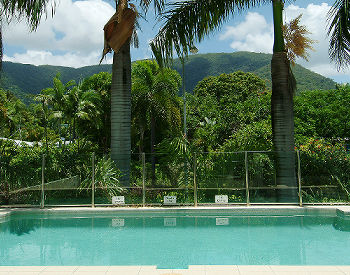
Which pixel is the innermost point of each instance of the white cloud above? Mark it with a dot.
(255, 34)
(70, 59)
(76, 30)
(315, 19)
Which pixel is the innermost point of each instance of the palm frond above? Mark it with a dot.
(31, 10)
(339, 32)
(158, 5)
(297, 42)
(190, 21)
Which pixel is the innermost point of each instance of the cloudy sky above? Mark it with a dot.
(74, 37)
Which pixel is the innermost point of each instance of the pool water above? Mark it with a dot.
(173, 240)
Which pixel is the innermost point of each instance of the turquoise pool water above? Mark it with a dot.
(173, 240)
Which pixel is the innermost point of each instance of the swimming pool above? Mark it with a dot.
(175, 239)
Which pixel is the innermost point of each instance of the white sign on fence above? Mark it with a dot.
(169, 200)
(118, 222)
(169, 221)
(118, 200)
(222, 221)
(221, 199)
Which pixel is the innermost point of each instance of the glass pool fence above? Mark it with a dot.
(215, 178)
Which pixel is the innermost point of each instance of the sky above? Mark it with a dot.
(74, 36)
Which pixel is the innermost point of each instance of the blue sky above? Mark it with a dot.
(74, 37)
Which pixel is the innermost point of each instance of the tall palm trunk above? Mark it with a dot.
(282, 113)
(121, 111)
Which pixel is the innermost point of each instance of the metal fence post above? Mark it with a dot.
(195, 180)
(93, 181)
(246, 177)
(143, 179)
(299, 180)
(42, 204)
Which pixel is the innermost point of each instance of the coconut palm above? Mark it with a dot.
(57, 93)
(45, 99)
(30, 10)
(190, 21)
(155, 101)
(80, 107)
(155, 98)
(339, 32)
(120, 33)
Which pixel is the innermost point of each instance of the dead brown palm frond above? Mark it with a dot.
(116, 34)
(296, 38)
(122, 5)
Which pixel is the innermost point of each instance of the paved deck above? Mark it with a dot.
(192, 270)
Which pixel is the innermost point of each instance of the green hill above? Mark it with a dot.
(24, 79)
(201, 65)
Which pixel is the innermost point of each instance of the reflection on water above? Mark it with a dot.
(20, 227)
(342, 224)
(174, 241)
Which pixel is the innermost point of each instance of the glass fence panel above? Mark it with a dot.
(168, 171)
(106, 187)
(220, 170)
(168, 176)
(221, 174)
(67, 179)
(325, 177)
(266, 185)
(20, 175)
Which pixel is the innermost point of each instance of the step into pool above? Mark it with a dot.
(174, 239)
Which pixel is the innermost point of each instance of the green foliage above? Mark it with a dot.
(21, 166)
(325, 164)
(106, 177)
(323, 114)
(219, 108)
(155, 105)
(99, 130)
(17, 120)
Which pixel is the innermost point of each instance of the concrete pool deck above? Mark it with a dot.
(192, 270)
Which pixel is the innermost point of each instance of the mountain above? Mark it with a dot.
(201, 65)
(24, 79)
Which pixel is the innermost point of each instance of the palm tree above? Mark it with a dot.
(57, 93)
(339, 32)
(45, 100)
(155, 100)
(120, 31)
(31, 10)
(190, 21)
(81, 107)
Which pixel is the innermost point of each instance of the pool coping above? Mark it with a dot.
(256, 209)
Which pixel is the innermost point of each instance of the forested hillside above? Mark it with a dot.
(25, 79)
(213, 64)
